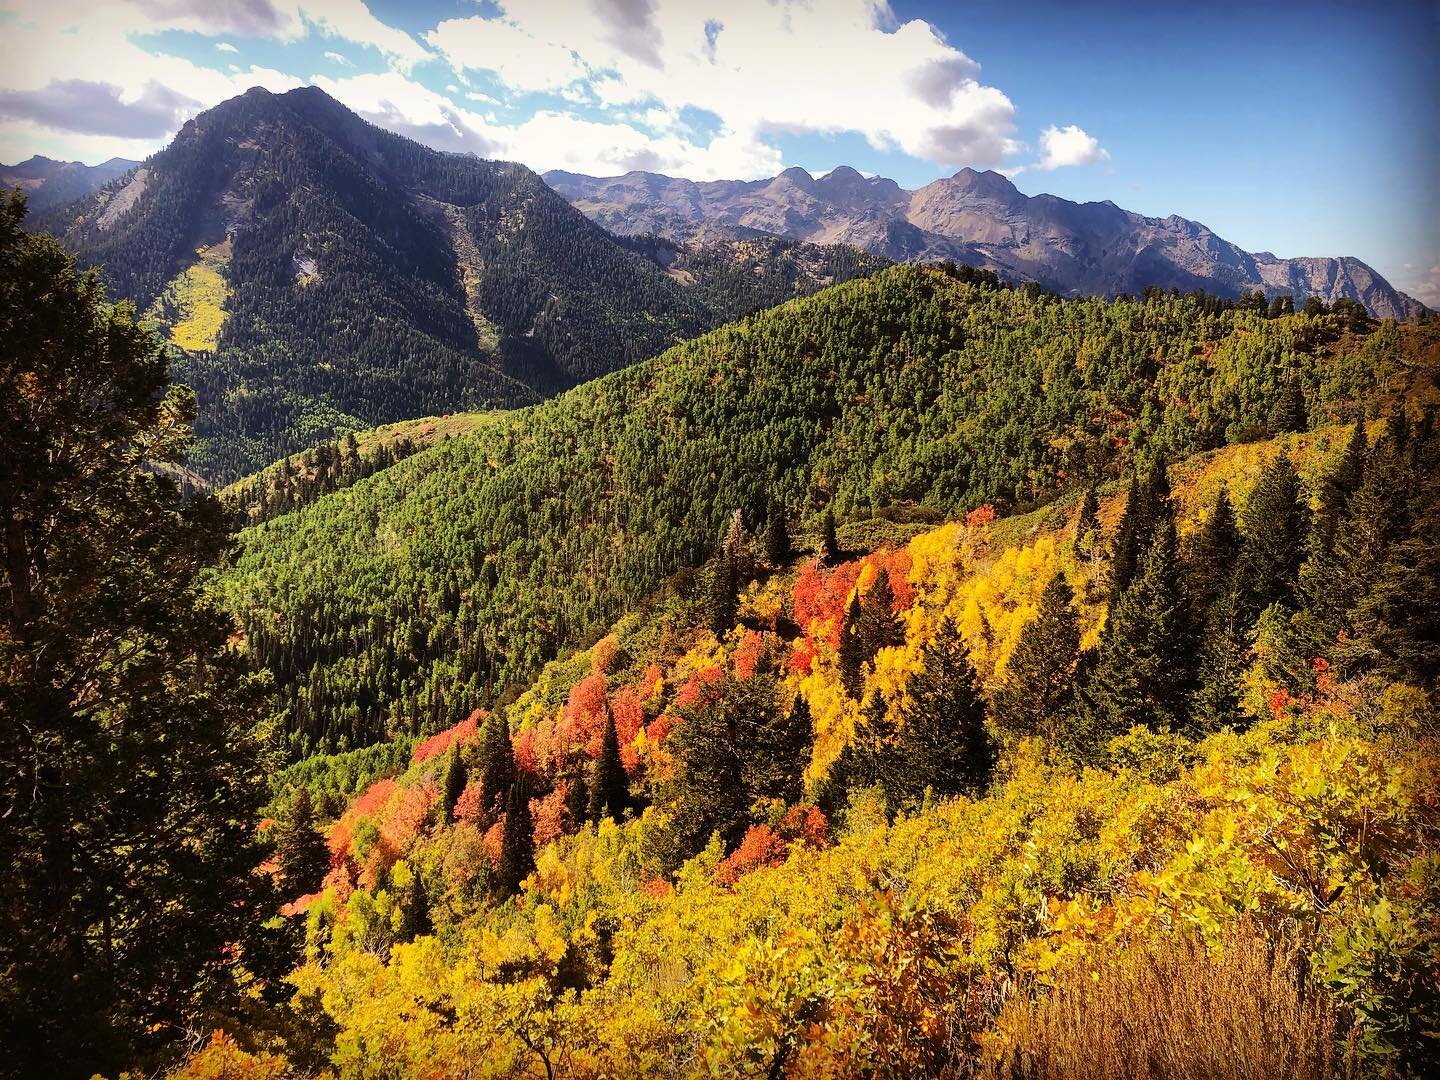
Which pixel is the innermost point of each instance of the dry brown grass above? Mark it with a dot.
(1170, 1009)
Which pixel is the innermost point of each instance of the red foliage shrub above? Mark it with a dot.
(461, 733)
(657, 887)
(761, 846)
(980, 517)
(470, 806)
(748, 654)
(806, 825)
(549, 816)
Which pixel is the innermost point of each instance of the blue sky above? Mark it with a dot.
(1303, 129)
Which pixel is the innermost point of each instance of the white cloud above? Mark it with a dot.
(1069, 145)
(225, 46)
(762, 67)
(351, 20)
(1426, 288)
(339, 58)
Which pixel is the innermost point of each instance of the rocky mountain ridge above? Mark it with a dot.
(982, 219)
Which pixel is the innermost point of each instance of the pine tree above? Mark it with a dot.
(1224, 651)
(1323, 570)
(852, 651)
(829, 543)
(1035, 697)
(1211, 554)
(1274, 528)
(1142, 675)
(724, 604)
(300, 848)
(517, 841)
(1288, 412)
(1125, 546)
(878, 627)
(453, 784)
(609, 789)
(943, 744)
(777, 535)
(497, 760)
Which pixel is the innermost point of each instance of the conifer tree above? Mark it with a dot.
(130, 764)
(300, 848)
(1320, 582)
(829, 542)
(1211, 553)
(1274, 527)
(609, 789)
(724, 593)
(452, 785)
(497, 760)
(517, 841)
(944, 745)
(1288, 412)
(1035, 697)
(1142, 675)
(1223, 653)
(852, 651)
(777, 535)
(1125, 547)
(878, 627)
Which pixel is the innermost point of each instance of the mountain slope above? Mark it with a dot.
(982, 219)
(404, 600)
(326, 275)
(48, 183)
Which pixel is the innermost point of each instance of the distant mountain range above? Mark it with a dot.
(48, 183)
(982, 219)
(326, 275)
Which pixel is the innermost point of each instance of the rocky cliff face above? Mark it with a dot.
(979, 218)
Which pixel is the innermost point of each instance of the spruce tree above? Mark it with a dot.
(452, 784)
(609, 789)
(852, 651)
(300, 848)
(777, 535)
(1288, 412)
(1223, 654)
(878, 627)
(1125, 546)
(517, 841)
(829, 543)
(943, 743)
(1211, 553)
(1035, 697)
(724, 604)
(1142, 675)
(497, 760)
(1274, 526)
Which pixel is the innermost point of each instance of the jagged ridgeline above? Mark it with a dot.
(403, 601)
(323, 275)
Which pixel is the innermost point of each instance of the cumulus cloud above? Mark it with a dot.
(352, 20)
(1069, 145)
(1426, 288)
(762, 67)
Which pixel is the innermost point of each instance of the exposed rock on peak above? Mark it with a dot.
(980, 218)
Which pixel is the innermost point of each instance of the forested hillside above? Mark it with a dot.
(324, 275)
(421, 592)
(1141, 778)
